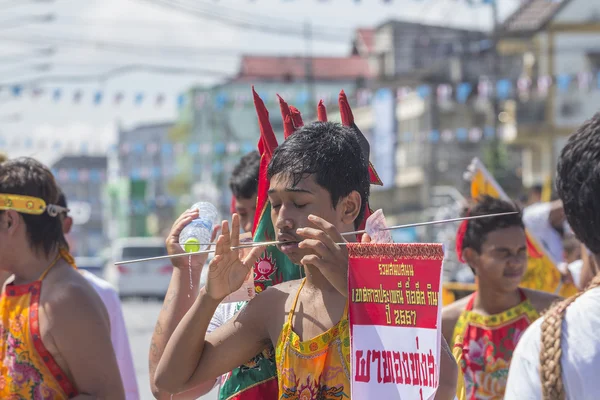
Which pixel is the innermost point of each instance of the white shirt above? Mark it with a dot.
(580, 359)
(223, 313)
(536, 218)
(118, 333)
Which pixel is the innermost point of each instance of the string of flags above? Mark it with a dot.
(503, 89)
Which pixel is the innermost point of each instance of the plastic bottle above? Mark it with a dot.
(200, 229)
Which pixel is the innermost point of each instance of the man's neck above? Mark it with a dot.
(494, 301)
(31, 265)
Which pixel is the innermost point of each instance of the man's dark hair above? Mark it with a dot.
(536, 189)
(62, 199)
(478, 229)
(244, 178)
(330, 152)
(28, 177)
(578, 182)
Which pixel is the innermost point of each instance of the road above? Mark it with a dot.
(140, 317)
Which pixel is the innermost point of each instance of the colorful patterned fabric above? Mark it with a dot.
(461, 390)
(28, 370)
(488, 343)
(318, 368)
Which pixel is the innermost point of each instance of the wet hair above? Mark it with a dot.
(578, 182)
(62, 199)
(29, 177)
(476, 230)
(244, 178)
(329, 151)
(578, 186)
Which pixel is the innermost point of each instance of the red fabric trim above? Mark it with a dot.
(268, 389)
(460, 237)
(57, 372)
(415, 251)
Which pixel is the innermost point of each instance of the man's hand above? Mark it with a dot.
(328, 256)
(227, 272)
(173, 246)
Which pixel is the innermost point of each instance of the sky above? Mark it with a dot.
(94, 36)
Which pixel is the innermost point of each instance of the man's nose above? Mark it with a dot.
(284, 219)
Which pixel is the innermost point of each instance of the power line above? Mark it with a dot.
(103, 76)
(247, 24)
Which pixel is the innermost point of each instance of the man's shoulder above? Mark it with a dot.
(453, 311)
(67, 291)
(541, 301)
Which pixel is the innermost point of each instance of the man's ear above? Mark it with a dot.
(350, 207)
(471, 257)
(67, 225)
(11, 220)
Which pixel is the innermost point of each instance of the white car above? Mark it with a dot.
(149, 279)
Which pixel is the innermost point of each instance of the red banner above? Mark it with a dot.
(395, 319)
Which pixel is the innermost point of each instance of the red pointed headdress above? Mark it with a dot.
(292, 120)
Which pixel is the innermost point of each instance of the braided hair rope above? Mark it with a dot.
(550, 351)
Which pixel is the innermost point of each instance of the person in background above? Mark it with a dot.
(3, 157)
(558, 357)
(110, 298)
(548, 224)
(244, 186)
(534, 195)
(55, 341)
(487, 325)
(573, 264)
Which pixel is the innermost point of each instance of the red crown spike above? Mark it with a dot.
(268, 138)
(345, 111)
(296, 117)
(321, 112)
(288, 126)
(348, 120)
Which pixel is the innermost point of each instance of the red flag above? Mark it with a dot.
(266, 146)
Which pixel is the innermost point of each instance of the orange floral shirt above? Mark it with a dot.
(316, 369)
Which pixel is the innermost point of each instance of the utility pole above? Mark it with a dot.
(310, 81)
(496, 142)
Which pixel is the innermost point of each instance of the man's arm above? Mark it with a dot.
(178, 300)
(81, 332)
(189, 359)
(448, 374)
(192, 356)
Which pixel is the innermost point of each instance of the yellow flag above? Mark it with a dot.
(542, 273)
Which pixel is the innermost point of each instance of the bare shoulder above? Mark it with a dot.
(66, 292)
(541, 301)
(450, 315)
(277, 295)
(453, 311)
(270, 308)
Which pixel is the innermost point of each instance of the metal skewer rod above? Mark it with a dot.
(258, 244)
